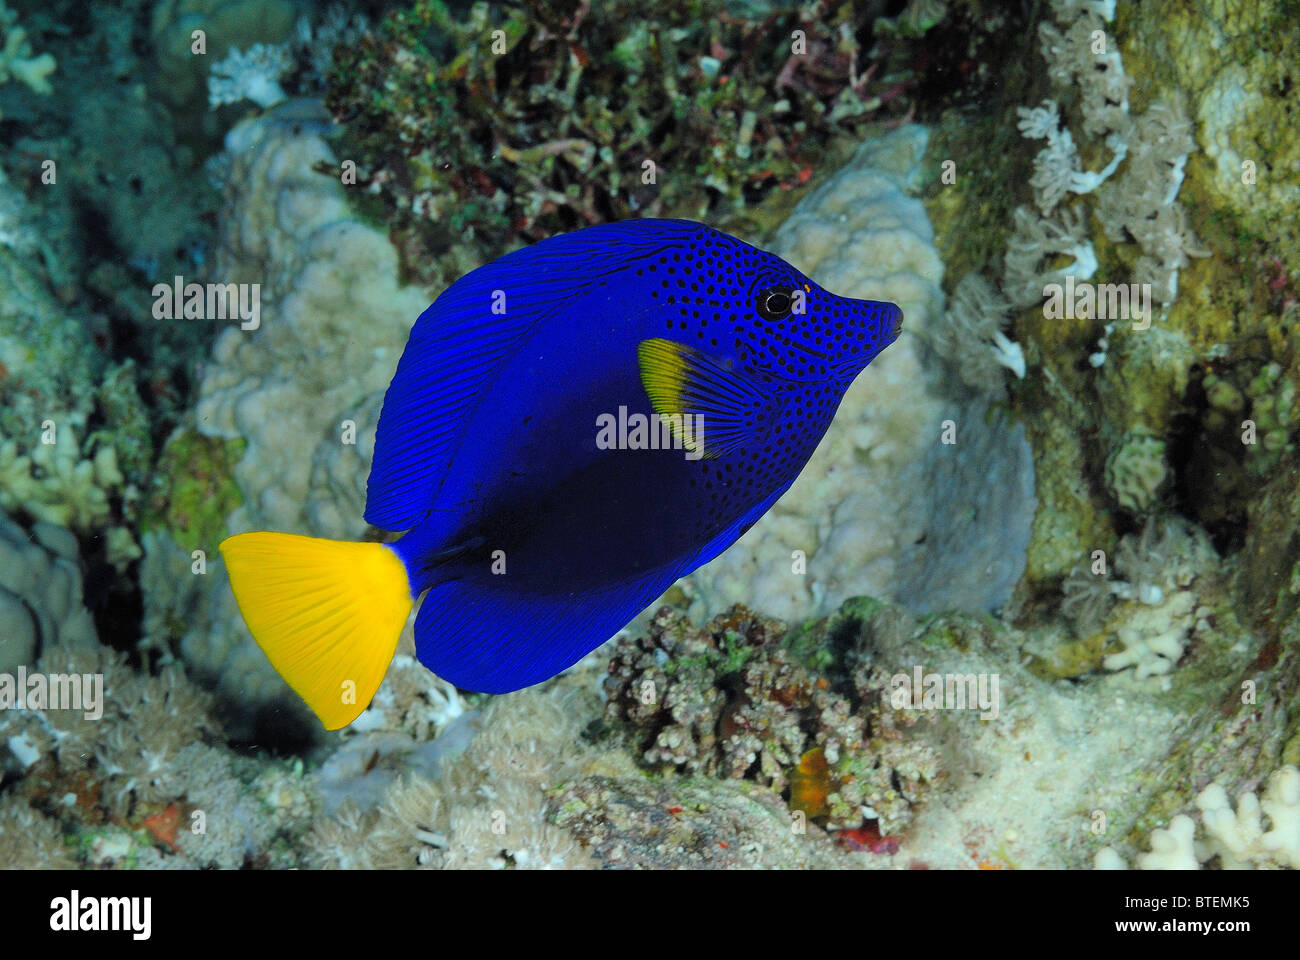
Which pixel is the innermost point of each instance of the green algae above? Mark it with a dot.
(194, 489)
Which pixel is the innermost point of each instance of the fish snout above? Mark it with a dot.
(879, 323)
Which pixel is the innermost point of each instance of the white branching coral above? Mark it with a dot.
(254, 75)
(1137, 189)
(1263, 833)
(1141, 204)
(1241, 839)
(1056, 166)
(1036, 240)
(970, 340)
(1172, 848)
(1155, 636)
(1157, 608)
(17, 60)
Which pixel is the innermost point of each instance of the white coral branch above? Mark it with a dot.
(254, 75)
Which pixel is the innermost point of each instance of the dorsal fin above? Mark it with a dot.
(459, 345)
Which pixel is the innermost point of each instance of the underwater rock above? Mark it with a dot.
(40, 593)
(1231, 62)
(689, 824)
(1146, 142)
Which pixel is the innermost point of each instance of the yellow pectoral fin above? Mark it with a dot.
(710, 407)
(327, 614)
(664, 374)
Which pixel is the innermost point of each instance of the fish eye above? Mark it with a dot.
(774, 304)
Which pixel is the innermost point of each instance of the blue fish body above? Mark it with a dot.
(570, 429)
(534, 541)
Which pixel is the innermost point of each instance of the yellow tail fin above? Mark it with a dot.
(327, 614)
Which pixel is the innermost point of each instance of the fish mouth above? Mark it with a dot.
(895, 324)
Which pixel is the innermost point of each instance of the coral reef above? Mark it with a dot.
(1088, 501)
(537, 119)
(730, 700)
(68, 425)
(487, 808)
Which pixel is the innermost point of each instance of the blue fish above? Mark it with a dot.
(570, 429)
